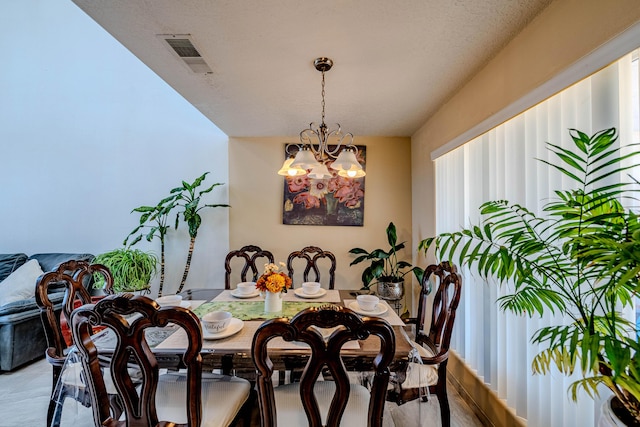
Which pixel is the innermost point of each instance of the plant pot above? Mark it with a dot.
(609, 419)
(391, 291)
(138, 291)
(273, 302)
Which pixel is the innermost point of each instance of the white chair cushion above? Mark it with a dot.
(291, 413)
(424, 351)
(222, 398)
(419, 375)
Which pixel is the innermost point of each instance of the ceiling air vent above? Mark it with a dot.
(181, 45)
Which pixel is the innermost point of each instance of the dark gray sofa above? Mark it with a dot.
(22, 337)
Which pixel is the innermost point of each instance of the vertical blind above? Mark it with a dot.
(501, 164)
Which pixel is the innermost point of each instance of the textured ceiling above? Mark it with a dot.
(395, 62)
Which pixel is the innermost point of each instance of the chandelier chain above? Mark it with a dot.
(313, 155)
(323, 97)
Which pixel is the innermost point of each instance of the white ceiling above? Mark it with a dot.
(395, 62)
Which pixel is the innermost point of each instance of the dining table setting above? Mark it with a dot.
(229, 348)
(232, 344)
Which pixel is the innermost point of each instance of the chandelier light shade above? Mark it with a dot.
(288, 170)
(347, 165)
(305, 159)
(314, 151)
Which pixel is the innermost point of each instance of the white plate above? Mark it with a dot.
(301, 294)
(380, 309)
(234, 327)
(237, 294)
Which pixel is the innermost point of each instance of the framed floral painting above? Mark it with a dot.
(334, 201)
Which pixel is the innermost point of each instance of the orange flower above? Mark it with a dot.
(273, 281)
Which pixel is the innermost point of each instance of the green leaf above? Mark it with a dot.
(392, 237)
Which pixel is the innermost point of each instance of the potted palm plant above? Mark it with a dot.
(580, 260)
(385, 269)
(188, 198)
(132, 269)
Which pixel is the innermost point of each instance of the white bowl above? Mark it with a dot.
(310, 288)
(367, 302)
(169, 300)
(246, 288)
(216, 321)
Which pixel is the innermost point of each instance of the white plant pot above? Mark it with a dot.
(607, 417)
(273, 302)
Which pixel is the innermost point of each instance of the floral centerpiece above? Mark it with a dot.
(273, 280)
(273, 283)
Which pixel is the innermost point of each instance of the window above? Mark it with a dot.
(500, 164)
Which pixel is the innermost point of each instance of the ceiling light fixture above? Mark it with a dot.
(315, 151)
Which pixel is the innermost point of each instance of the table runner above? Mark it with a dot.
(254, 310)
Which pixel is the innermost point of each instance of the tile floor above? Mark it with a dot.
(24, 396)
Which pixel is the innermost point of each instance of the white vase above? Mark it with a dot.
(273, 302)
(607, 417)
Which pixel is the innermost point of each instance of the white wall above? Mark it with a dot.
(87, 133)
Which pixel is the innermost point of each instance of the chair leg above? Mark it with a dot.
(51, 412)
(54, 413)
(52, 402)
(443, 400)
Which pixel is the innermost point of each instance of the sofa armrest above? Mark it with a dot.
(25, 308)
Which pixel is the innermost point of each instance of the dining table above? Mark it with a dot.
(230, 351)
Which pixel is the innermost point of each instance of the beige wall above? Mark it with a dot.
(564, 33)
(256, 192)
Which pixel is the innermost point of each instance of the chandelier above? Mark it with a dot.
(315, 152)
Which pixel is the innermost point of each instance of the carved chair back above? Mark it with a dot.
(128, 317)
(311, 255)
(325, 353)
(250, 254)
(73, 276)
(432, 344)
(445, 303)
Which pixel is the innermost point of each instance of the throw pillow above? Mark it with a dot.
(9, 263)
(20, 284)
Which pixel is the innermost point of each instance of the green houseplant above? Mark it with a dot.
(384, 268)
(580, 260)
(187, 197)
(132, 269)
(154, 222)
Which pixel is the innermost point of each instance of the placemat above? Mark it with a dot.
(390, 315)
(332, 295)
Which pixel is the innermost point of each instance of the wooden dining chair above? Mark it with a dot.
(429, 370)
(311, 255)
(250, 254)
(317, 403)
(173, 398)
(74, 276)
